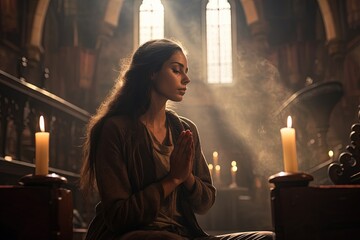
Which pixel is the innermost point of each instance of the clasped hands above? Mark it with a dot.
(181, 164)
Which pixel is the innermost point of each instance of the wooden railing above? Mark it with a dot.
(21, 105)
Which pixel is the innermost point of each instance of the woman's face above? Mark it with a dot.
(170, 82)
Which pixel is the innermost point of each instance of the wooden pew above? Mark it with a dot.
(302, 212)
(323, 212)
(36, 212)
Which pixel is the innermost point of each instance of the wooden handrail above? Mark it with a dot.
(42, 95)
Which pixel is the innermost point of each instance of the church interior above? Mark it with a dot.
(60, 58)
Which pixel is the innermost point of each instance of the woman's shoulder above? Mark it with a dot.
(186, 122)
(118, 122)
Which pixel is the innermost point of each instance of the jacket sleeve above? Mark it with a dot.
(122, 208)
(202, 196)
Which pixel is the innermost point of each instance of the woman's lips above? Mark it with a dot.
(182, 91)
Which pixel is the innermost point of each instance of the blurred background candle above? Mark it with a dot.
(233, 171)
(42, 150)
(331, 155)
(233, 174)
(289, 147)
(211, 167)
(215, 158)
(233, 163)
(217, 174)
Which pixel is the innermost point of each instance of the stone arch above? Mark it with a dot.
(251, 11)
(329, 21)
(35, 49)
(111, 16)
(257, 25)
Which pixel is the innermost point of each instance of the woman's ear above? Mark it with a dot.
(153, 76)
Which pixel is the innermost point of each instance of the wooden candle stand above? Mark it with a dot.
(50, 180)
(289, 179)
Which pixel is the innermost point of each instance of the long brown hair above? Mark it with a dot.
(129, 96)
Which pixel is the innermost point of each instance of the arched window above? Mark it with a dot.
(151, 20)
(219, 44)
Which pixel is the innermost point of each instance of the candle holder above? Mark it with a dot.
(291, 179)
(233, 185)
(49, 180)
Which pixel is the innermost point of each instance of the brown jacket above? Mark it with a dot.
(130, 196)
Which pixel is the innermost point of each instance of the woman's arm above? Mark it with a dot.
(123, 208)
(200, 190)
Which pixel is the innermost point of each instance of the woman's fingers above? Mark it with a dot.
(182, 142)
(181, 157)
(178, 142)
(192, 151)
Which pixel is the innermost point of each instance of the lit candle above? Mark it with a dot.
(42, 150)
(211, 167)
(215, 158)
(217, 173)
(233, 163)
(233, 174)
(331, 154)
(289, 147)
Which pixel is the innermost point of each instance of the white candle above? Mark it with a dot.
(42, 150)
(217, 173)
(233, 174)
(211, 167)
(215, 158)
(289, 147)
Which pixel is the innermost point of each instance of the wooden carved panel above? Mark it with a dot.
(347, 169)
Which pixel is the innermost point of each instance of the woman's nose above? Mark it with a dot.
(185, 79)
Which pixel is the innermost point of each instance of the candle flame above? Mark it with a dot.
(289, 122)
(331, 153)
(211, 166)
(215, 154)
(234, 168)
(233, 163)
(42, 124)
(217, 167)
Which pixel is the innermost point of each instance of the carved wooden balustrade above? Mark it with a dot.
(347, 169)
(21, 105)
